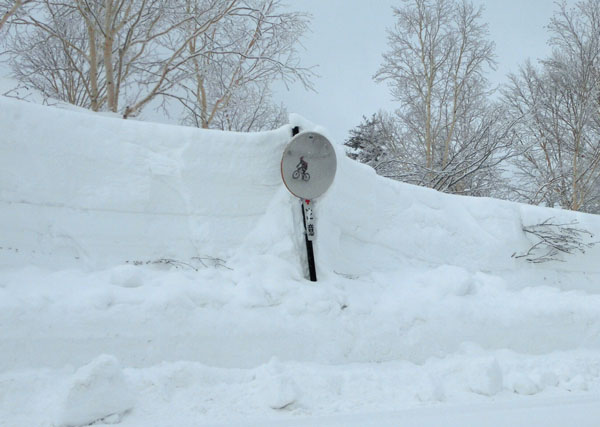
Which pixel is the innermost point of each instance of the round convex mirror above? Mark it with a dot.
(308, 165)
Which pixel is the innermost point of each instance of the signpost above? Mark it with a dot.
(308, 167)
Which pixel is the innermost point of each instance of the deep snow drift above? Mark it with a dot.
(154, 275)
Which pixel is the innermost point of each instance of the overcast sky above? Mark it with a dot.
(348, 38)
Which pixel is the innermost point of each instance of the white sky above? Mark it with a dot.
(349, 36)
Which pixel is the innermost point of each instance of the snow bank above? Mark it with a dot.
(179, 252)
(79, 188)
(401, 268)
(307, 394)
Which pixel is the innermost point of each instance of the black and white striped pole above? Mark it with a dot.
(308, 167)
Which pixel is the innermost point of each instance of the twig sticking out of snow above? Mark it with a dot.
(555, 238)
(204, 262)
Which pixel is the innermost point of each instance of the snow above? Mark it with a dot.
(155, 275)
(97, 391)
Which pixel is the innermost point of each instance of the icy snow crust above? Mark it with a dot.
(154, 275)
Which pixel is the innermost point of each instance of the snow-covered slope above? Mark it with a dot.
(103, 191)
(179, 253)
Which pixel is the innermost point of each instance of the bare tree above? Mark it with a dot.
(449, 136)
(9, 8)
(557, 107)
(162, 73)
(53, 65)
(119, 55)
(250, 109)
(235, 63)
(112, 45)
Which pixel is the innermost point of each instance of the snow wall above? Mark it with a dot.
(81, 189)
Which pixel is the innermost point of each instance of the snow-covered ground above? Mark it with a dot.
(153, 275)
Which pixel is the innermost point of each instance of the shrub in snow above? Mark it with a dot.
(195, 263)
(553, 239)
(97, 391)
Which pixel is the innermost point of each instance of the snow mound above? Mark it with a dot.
(278, 389)
(97, 391)
(486, 378)
(180, 252)
(78, 189)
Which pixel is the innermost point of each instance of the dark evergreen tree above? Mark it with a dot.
(367, 141)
